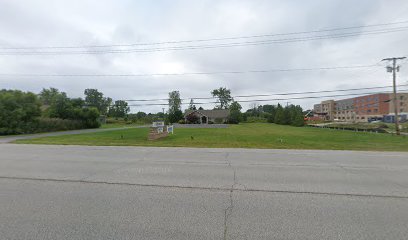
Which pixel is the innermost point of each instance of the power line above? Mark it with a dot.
(221, 45)
(208, 39)
(187, 73)
(268, 95)
(273, 99)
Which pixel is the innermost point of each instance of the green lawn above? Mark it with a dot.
(251, 135)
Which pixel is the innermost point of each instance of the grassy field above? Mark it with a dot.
(255, 135)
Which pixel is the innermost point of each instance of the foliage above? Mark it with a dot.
(192, 119)
(174, 101)
(18, 111)
(224, 97)
(57, 124)
(94, 98)
(48, 96)
(175, 116)
(119, 109)
(255, 120)
(235, 106)
(234, 117)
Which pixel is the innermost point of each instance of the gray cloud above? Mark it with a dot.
(66, 23)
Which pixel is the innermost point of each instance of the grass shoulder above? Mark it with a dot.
(248, 135)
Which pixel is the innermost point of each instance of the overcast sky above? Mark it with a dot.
(48, 23)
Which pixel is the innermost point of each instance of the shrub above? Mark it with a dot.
(192, 119)
(57, 124)
(181, 121)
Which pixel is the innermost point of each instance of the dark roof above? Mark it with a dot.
(216, 113)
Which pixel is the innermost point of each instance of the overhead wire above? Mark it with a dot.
(219, 45)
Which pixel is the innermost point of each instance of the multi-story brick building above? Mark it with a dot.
(371, 106)
(344, 110)
(402, 102)
(361, 109)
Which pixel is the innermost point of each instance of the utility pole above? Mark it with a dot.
(394, 69)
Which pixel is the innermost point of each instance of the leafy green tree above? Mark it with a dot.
(119, 109)
(94, 98)
(18, 111)
(297, 117)
(140, 115)
(223, 96)
(175, 116)
(235, 106)
(48, 96)
(279, 115)
(175, 113)
(235, 115)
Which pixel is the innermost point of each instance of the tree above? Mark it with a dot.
(191, 106)
(174, 117)
(235, 115)
(279, 115)
(224, 97)
(297, 117)
(94, 98)
(48, 96)
(175, 113)
(192, 119)
(174, 101)
(18, 111)
(119, 109)
(235, 106)
(200, 108)
(140, 115)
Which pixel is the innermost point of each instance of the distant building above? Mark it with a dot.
(371, 106)
(208, 116)
(325, 110)
(362, 108)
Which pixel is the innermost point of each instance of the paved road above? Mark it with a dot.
(12, 138)
(78, 192)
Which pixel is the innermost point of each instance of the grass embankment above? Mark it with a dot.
(240, 136)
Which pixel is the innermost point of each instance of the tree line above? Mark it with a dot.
(52, 110)
(289, 115)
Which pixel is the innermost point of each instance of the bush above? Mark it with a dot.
(18, 112)
(234, 117)
(58, 124)
(255, 120)
(181, 121)
(193, 119)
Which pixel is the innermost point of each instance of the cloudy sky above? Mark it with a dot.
(81, 25)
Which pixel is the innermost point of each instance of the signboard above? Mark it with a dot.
(158, 124)
(170, 129)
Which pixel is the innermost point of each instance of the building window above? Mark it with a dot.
(401, 97)
(401, 104)
(376, 110)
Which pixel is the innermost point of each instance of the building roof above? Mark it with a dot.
(216, 113)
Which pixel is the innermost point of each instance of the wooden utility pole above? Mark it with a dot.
(394, 69)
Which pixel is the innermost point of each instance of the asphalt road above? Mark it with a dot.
(78, 192)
